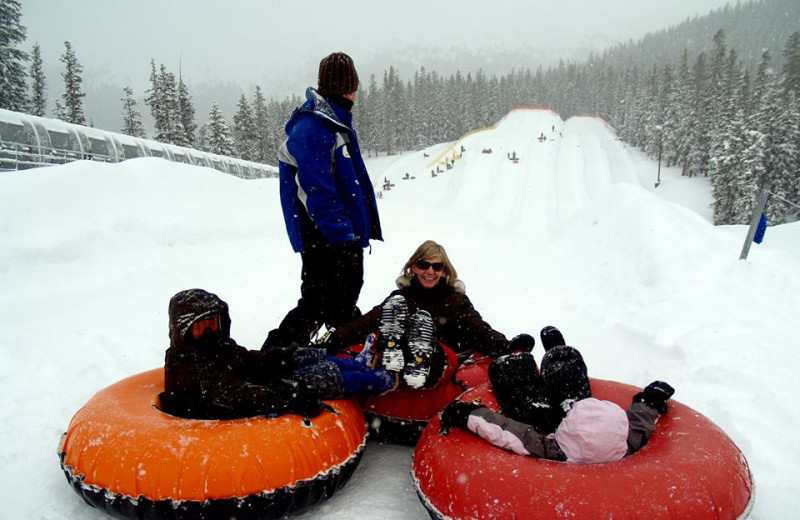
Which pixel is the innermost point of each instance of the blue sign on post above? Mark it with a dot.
(761, 229)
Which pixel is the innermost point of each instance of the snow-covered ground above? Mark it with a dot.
(573, 234)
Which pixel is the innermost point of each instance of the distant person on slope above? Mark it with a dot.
(430, 307)
(551, 414)
(328, 204)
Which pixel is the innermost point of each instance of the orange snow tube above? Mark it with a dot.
(129, 459)
(690, 470)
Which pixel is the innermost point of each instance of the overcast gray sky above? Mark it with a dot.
(256, 41)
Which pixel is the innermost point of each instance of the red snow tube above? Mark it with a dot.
(124, 456)
(690, 469)
(474, 371)
(400, 416)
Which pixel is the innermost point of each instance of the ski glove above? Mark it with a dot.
(551, 337)
(521, 343)
(655, 395)
(456, 414)
(307, 403)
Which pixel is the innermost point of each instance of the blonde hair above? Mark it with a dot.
(429, 249)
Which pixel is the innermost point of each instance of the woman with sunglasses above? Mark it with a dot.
(429, 282)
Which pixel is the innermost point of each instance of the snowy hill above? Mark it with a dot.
(572, 234)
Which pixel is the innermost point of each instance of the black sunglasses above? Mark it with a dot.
(423, 266)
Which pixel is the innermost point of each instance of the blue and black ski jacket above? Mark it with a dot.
(323, 176)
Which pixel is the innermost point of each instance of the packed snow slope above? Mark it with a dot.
(572, 234)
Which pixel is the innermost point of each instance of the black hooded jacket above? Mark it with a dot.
(214, 378)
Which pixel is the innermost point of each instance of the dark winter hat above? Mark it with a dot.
(337, 75)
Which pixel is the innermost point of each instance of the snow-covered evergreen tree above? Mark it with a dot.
(38, 101)
(369, 117)
(174, 132)
(680, 120)
(390, 127)
(244, 130)
(218, 136)
(163, 100)
(420, 119)
(481, 100)
(700, 125)
(73, 87)
(727, 168)
(728, 107)
(58, 111)
(12, 59)
(131, 118)
(263, 128)
(201, 137)
(751, 175)
(154, 99)
(791, 64)
(186, 111)
(778, 121)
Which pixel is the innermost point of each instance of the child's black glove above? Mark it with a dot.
(275, 361)
(521, 343)
(308, 403)
(456, 414)
(655, 395)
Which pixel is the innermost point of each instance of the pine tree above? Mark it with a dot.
(73, 93)
(58, 111)
(391, 124)
(186, 111)
(201, 137)
(369, 116)
(681, 119)
(12, 59)
(420, 120)
(698, 130)
(153, 97)
(727, 169)
(729, 105)
(174, 131)
(38, 105)
(779, 123)
(261, 122)
(244, 131)
(218, 138)
(749, 179)
(163, 100)
(791, 66)
(131, 119)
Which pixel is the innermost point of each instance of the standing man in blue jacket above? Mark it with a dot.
(328, 204)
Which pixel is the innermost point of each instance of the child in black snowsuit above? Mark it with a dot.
(545, 414)
(207, 375)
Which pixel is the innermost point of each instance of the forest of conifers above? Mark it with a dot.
(716, 96)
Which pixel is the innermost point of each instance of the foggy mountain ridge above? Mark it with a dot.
(750, 27)
(104, 90)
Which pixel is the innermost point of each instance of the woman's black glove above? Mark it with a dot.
(655, 395)
(456, 414)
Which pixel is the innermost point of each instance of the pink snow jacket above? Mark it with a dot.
(593, 431)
